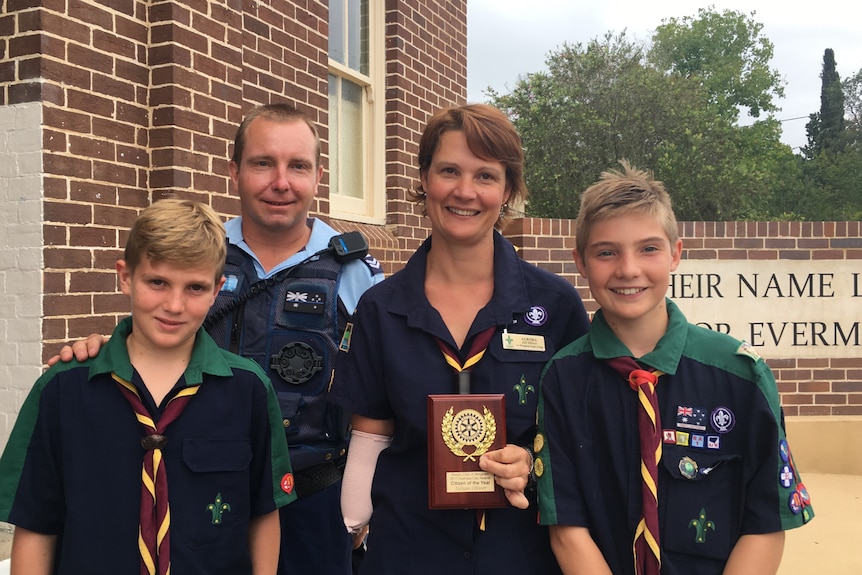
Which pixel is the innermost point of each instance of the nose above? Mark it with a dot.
(465, 187)
(175, 302)
(628, 266)
(281, 181)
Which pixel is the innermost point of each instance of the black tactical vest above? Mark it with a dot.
(291, 325)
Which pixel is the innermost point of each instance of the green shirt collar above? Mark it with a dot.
(206, 357)
(667, 352)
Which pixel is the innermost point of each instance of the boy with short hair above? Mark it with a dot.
(676, 462)
(164, 452)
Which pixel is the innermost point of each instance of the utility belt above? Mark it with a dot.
(318, 477)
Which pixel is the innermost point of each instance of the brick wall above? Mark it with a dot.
(808, 386)
(141, 100)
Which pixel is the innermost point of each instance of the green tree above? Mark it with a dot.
(605, 101)
(825, 129)
(726, 53)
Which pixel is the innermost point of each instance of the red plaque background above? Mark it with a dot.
(453, 482)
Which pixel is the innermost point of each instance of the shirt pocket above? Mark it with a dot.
(216, 500)
(700, 494)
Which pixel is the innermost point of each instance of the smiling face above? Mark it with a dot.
(169, 302)
(464, 193)
(276, 177)
(627, 260)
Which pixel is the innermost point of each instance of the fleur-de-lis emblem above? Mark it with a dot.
(218, 508)
(701, 524)
(523, 388)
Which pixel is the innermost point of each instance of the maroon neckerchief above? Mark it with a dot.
(646, 547)
(154, 534)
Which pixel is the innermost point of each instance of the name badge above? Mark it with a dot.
(523, 341)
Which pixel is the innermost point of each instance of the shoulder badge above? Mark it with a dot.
(745, 348)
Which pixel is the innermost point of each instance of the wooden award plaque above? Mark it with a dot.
(460, 429)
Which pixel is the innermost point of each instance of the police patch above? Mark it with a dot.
(305, 302)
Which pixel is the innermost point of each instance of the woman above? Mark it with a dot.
(464, 280)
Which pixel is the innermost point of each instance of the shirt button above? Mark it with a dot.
(285, 422)
(466, 554)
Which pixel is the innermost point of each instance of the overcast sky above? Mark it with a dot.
(510, 38)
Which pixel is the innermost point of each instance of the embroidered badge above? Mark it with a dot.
(682, 438)
(305, 302)
(691, 418)
(786, 476)
(218, 508)
(784, 450)
(537, 316)
(287, 483)
(795, 502)
(230, 283)
(668, 436)
(345, 337)
(372, 262)
(523, 388)
(803, 493)
(713, 441)
(697, 441)
(746, 349)
(722, 419)
(701, 524)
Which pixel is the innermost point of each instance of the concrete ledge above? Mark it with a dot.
(828, 444)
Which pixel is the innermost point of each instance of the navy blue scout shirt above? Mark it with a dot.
(392, 366)
(72, 466)
(726, 469)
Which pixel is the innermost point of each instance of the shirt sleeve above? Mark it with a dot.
(271, 472)
(560, 498)
(31, 491)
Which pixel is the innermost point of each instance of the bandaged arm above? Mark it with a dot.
(368, 439)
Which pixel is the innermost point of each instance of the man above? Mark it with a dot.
(292, 322)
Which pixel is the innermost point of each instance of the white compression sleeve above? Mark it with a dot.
(362, 457)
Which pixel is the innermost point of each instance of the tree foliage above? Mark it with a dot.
(609, 100)
(724, 52)
(825, 128)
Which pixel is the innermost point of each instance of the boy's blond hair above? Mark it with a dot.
(620, 192)
(180, 233)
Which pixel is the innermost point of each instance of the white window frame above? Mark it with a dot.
(371, 206)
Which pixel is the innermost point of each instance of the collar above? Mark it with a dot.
(206, 357)
(510, 292)
(318, 240)
(667, 352)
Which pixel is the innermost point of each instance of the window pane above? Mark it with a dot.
(350, 140)
(334, 171)
(336, 31)
(357, 31)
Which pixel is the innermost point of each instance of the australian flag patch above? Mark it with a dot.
(305, 302)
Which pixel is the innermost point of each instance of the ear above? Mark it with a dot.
(233, 170)
(318, 179)
(676, 255)
(218, 287)
(124, 275)
(579, 261)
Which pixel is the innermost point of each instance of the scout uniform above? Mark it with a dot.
(72, 466)
(726, 469)
(394, 363)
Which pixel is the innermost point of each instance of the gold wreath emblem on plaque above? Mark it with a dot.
(469, 427)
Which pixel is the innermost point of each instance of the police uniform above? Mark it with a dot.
(725, 471)
(394, 363)
(72, 466)
(290, 320)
